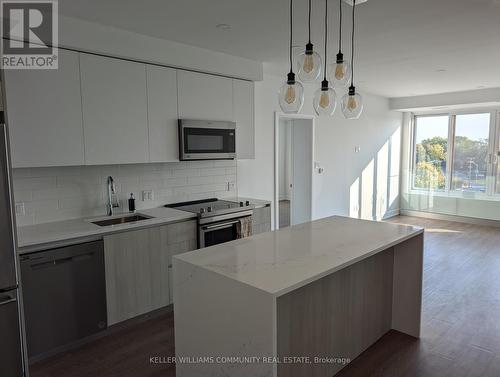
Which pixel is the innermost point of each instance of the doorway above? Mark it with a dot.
(294, 162)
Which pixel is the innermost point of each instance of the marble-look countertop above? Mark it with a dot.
(59, 233)
(281, 261)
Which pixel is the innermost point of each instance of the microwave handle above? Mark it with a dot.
(219, 226)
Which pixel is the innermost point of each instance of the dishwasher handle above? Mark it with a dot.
(58, 261)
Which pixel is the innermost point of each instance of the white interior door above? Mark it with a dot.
(301, 172)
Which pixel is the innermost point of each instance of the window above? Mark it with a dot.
(430, 153)
(470, 157)
(456, 153)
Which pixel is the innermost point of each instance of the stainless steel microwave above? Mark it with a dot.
(206, 140)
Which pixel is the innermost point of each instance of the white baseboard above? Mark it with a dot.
(391, 213)
(458, 219)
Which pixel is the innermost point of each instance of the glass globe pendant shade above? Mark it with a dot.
(309, 64)
(325, 100)
(340, 71)
(352, 104)
(291, 95)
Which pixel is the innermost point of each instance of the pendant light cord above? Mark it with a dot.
(309, 21)
(352, 42)
(291, 32)
(340, 25)
(326, 34)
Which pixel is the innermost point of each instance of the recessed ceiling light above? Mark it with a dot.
(224, 27)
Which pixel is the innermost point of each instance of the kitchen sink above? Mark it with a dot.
(121, 220)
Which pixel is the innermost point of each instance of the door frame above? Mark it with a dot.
(277, 117)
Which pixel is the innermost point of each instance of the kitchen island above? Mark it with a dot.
(300, 301)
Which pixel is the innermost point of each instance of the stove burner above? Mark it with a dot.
(211, 207)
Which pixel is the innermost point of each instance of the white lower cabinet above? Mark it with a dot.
(261, 220)
(179, 238)
(138, 268)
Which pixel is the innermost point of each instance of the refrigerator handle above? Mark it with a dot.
(7, 300)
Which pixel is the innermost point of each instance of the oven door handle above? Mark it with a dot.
(219, 226)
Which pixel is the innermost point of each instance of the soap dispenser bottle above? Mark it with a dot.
(131, 203)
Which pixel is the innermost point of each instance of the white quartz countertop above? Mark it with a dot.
(42, 236)
(281, 261)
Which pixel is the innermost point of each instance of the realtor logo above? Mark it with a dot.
(29, 34)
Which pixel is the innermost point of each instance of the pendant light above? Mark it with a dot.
(340, 71)
(325, 99)
(291, 94)
(352, 102)
(309, 62)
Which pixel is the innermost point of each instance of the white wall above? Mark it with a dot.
(456, 100)
(60, 193)
(377, 132)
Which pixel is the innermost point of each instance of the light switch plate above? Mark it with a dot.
(20, 211)
(147, 195)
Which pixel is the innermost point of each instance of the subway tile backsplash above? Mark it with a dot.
(61, 193)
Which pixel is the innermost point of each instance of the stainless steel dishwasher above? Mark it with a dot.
(64, 296)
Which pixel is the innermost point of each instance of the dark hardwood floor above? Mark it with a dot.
(460, 329)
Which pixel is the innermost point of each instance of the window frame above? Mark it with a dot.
(492, 185)
(414, 152)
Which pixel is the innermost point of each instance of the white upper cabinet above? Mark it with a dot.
(204, 96)
(115, 117)
(243, 102)
(45, 114)
(162, 114)
(96, 110)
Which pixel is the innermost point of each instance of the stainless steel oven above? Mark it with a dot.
(222, 228)
(206, 140)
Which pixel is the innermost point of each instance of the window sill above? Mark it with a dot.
(456, 195)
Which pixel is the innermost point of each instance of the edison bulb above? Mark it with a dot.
(325, 100)
(309, 65)
(352, 105)
(291, 96)
(340, 73)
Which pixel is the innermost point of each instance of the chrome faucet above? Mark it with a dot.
(112, 202)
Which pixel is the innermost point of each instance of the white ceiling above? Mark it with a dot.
(404, 47)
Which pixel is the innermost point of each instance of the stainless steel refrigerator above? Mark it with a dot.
(11, 344)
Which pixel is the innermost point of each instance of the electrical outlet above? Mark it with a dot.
(357, 149)
(20, 211)
(147, 195)
(230, 186)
